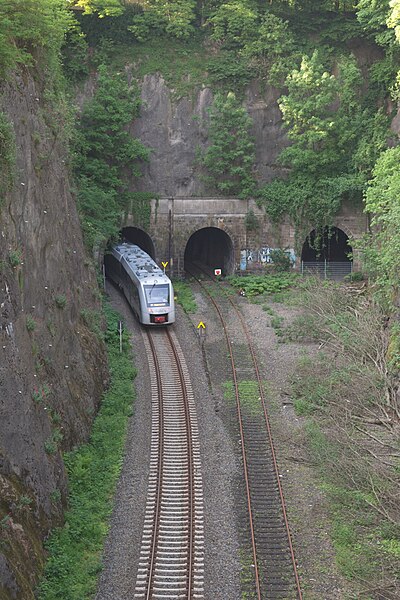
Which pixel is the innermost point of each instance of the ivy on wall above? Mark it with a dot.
(140, 208)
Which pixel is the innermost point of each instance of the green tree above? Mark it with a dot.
(104, 8)
(373, 16)
(233, 24)
(324, 116)
(230, 157)
(273, 49)
(106, 155)
(27, 26)
(393, 19)
(173, 18)
(335, 141)
(382, 250)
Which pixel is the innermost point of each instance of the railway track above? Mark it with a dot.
(172, 549)
(275, 569)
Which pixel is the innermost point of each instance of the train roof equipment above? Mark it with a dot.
(139, 262)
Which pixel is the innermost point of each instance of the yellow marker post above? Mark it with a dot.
(201, 329)
(164, 264)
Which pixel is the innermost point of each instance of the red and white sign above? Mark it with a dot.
(217, 271)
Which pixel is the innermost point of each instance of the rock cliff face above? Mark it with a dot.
(52, 367)
(176, 130)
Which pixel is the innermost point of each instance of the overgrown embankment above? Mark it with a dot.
(93, 469)
(344, 390)
(347, 396)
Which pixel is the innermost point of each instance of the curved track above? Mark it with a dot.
(171, 557)
(275, 569)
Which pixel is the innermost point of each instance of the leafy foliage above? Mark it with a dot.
(373, 17)
(233, 24)
(93, 470)
(104, 149)
(273, 50)
(335, 141)
(382, 249)
(174, 18)
(251, 221)
(254, 285)
(309, 200)
(229, 70)
(394, 18)
(322, 114)
(230, 157)
(104, 8)
(29, 25)
(75, 55)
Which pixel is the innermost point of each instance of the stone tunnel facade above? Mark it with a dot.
(174, 220)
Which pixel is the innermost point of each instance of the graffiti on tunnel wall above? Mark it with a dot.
(262, 256)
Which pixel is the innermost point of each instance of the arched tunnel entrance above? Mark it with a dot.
(327, 252)
(211, 247)
(140, 238)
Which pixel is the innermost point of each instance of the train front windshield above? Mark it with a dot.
(157, 295)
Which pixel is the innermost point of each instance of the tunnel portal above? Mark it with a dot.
(327, 252)
(332, 245)
(140, 238)
(211, 247)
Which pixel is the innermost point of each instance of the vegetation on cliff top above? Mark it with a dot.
(31, 28)
(335, 112)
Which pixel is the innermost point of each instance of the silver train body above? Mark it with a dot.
(147, 289)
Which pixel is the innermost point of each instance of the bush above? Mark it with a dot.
(280, 260)
(251, 221)
(26, 25)
(61, 301)
(7, 152)
(255, 285)
(355, 276)
(30, 323)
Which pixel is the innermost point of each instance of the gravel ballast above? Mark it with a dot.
(219, 470)
(206, 356)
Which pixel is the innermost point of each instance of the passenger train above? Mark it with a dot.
(146, 287)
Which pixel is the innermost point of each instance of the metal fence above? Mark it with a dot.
(327, 269)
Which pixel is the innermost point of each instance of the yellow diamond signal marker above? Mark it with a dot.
(201, 324)
(164, 264)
